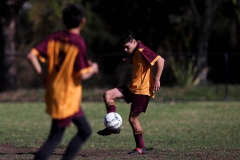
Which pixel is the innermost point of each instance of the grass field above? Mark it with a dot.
(175, 130)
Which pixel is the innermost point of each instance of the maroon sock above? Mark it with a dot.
(139, 140)
(111, 108)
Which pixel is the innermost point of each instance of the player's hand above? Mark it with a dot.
(90, 62)
(94, 67)
(156, 86)
(127, 60)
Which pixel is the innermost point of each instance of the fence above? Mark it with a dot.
(223, 69)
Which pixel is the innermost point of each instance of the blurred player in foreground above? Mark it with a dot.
(142, 87)
(68, 65)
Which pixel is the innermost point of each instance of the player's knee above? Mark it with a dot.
(132, 120)
(86, 133)
(107, 95)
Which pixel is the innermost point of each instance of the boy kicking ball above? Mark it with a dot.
(142, 87)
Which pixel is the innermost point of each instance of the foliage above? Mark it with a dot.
(183, 70)
(47, 18)
(173, 30)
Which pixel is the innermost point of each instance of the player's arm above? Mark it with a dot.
(32, 58)
(84, 67)
(160, 65)
(92, 69)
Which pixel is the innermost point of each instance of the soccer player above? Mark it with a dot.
(68, 64)
(142, 87)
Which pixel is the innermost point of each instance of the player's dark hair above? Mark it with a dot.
(72, 15)
(126, 36)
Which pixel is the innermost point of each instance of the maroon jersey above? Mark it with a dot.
(67, 60)
(142, 76)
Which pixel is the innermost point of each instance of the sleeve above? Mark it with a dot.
(81, 64)
(150, 56)
(40, 50)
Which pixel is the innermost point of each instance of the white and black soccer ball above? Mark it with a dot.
(112, 121)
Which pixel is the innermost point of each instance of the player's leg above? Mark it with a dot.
(84, 132)
(109, 99)
(51, 143)
(137, 133)
(121, 92)
(139, 105)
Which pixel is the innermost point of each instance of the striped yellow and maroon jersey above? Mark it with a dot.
(142, 75)
(66, 56)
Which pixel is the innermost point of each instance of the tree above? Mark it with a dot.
(198, 21)
(203, 14)
(8, 13)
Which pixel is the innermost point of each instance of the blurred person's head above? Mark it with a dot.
(128, 41)
(73, 16)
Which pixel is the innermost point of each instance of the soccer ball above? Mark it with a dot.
(112, 121)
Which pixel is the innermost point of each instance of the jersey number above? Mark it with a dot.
(60, 59)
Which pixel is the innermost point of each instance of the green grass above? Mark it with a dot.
(185, 126)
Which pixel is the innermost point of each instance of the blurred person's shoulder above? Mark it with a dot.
(66, 36)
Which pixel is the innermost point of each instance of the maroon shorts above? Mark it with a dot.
(139, 101)
(67, 121)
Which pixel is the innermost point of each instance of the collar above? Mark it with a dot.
(136, 48)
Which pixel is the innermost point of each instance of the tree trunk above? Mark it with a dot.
(8, 12)
(1, 58)
(8, 70)
(204, 33)
(204, 24)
